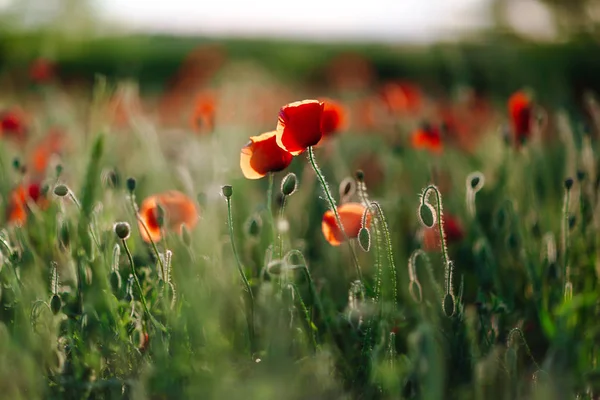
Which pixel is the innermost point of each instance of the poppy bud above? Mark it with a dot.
(55, 304)
(289, 184)
(61, 190)
(448, 305)
(254, 226)
(427, 215)
(580, 175)
(275, 267)
(568, 183)
(359, 175)
(227, 191)
(131, 184)
(58, 169)
(16, 163)
(474, 182)
(364, 239)
(122, 230)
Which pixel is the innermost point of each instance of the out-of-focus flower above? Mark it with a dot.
(520, 109)
(203, 113)
(53, 143)
(299, 125)
(350, 71)
(351, 217)
(262, 155)
(17, 208)
(402, 97)
(452, 228)
(13, 124)
(42, 70)
(333, 119)
(167, 211)
(428, 137)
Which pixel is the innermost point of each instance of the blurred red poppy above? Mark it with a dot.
(452, 228)
(333, 118)
(53, 143)
(169, 211)
(13, 123)
(428, 137)
(299, 125)
(351, 215)
(203, 114)
(18, 202)
(41, 70)
(262, 155)
(402, 97)
(520, 109)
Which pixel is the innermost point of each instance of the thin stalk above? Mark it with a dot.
(565, 242)
(311, 158)
(242, 274)
(137, 281)
(390, 253)
(270, 207)
(279, 235)
(440, 219)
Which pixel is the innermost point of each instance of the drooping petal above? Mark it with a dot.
(262, 155)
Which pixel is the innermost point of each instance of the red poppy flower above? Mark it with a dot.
(262, 155)
(351, 217)
(17, 206)
(520, 110)
(41, 70)
(333, 118)
(203, 115)
(401, 97)
(428, 137)
(299, 125)
(13, 123)
(177, 209)
(53, 143)
(452, 228)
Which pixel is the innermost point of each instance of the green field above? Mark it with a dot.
(251, 301)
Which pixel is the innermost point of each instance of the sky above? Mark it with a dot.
(394, 20)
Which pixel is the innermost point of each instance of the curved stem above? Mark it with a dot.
(440, 221)
(311, 158)
(242, 274)
(270, 207)
(390, 253)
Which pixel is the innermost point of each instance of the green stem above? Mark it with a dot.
(137, 281)
(242, 275)
(565, 240)
(440, 221)
(390, 253)
(311, 158)
(279, 235)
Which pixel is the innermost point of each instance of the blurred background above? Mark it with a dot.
(491, 45)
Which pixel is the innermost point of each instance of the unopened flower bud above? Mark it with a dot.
(122, 230)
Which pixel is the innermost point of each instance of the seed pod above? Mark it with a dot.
(122, 230)
(227, 191)
(254, 226)
(61, 190)
(568, 183)
(55, 304)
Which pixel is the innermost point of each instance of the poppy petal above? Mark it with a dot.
(262, 155)
(299, 125)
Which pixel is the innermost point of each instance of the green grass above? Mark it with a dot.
(312, 330)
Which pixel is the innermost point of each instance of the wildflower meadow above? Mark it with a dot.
(238, 234)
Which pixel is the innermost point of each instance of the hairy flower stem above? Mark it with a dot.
(137, 281)
(313, 163)
(242, 275)
(279, 234)
(270, 208)
(565, 244)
